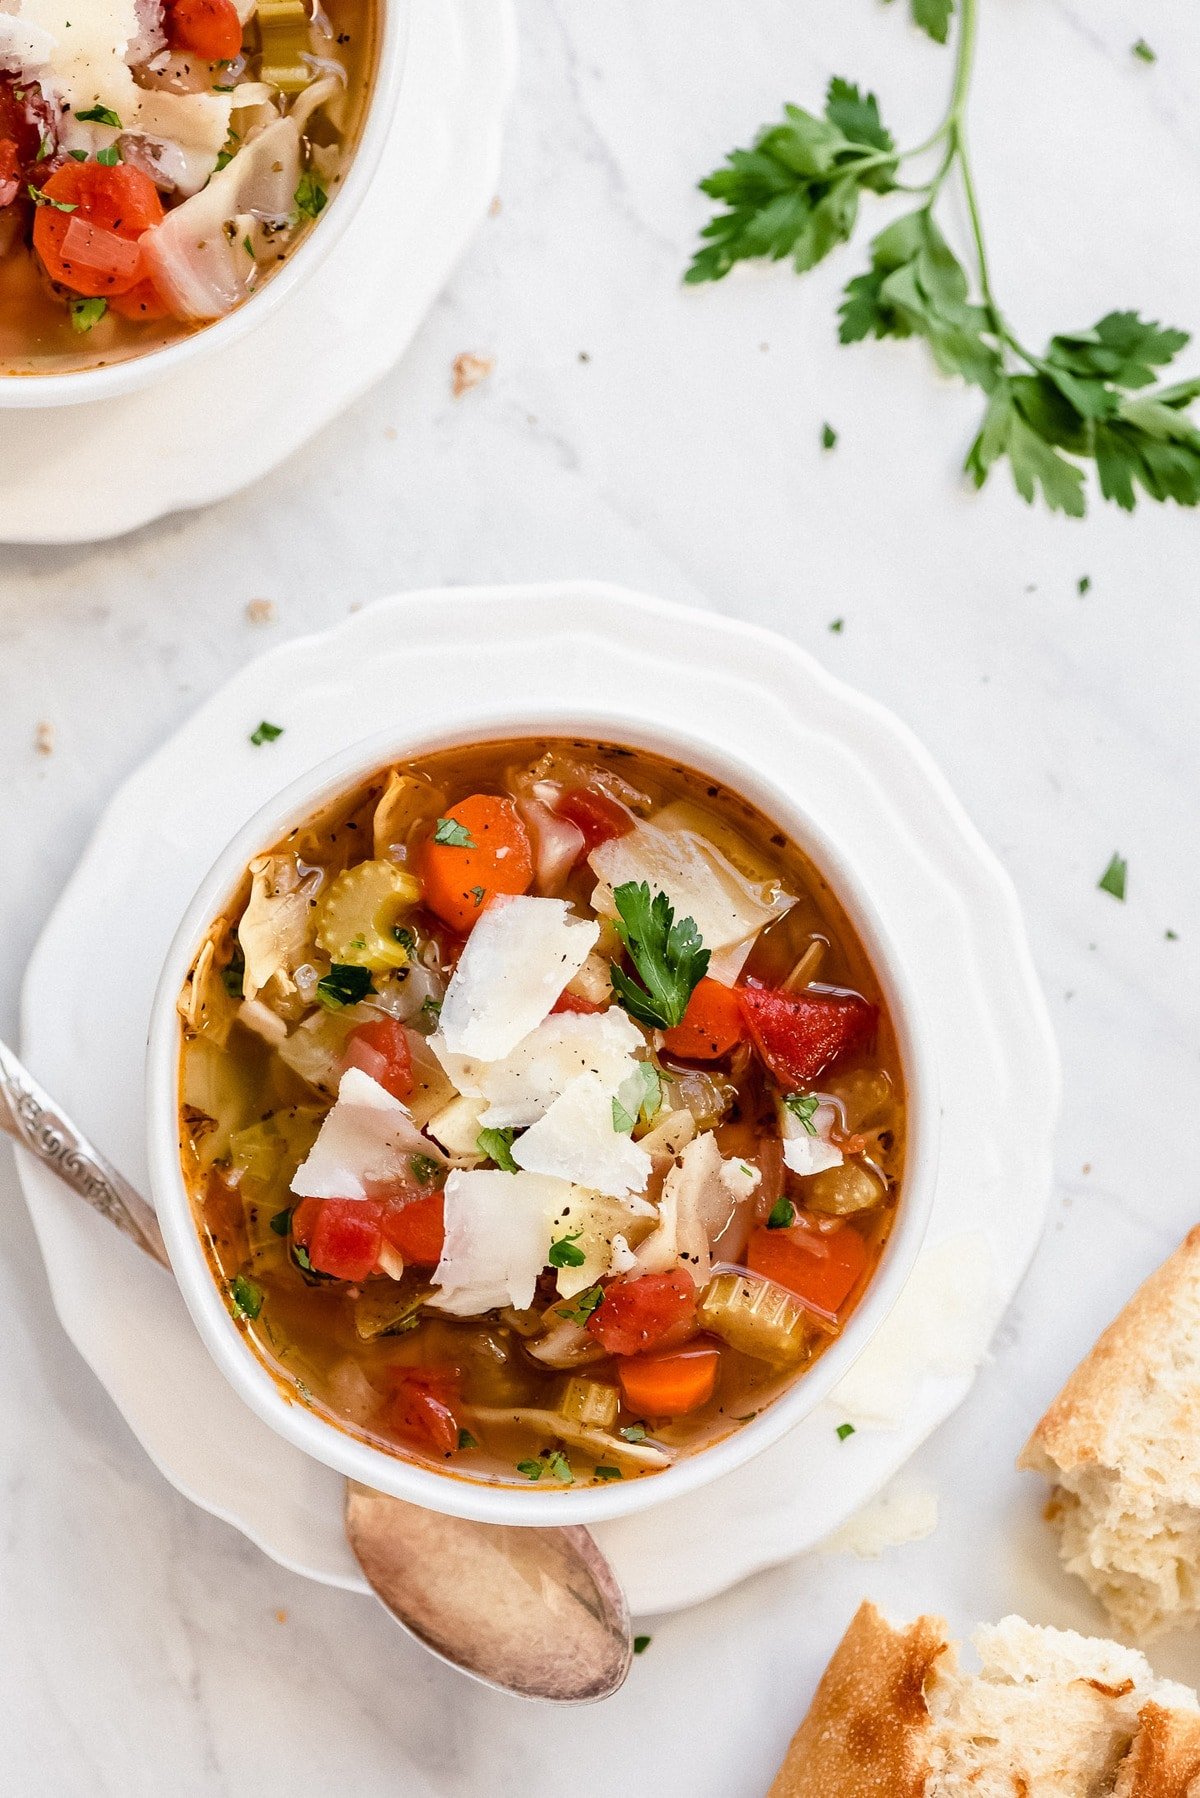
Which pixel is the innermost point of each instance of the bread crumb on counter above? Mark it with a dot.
(468, 370)
(43, 738)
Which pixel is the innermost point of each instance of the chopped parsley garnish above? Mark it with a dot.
(233, 977)
(497, 1146)
(803, 1107)
(633, 1432)
(466, 1440)
(477, 894)
(406, 939)
(564, 1252)
(1143, 52)
(828, 437)
(609, 1473)
(533, 1470)
(641, 1644)
(453, 835)
(311, 198)
(41, 199)
(224, 158)
(266, 733)
(644, 1103)
(1171, 936)
(837, 626)
(668, 955)
(844, 1430)
(1113, 878)
(108, 158)
(1084, 584)
(425, 1169)
(344, 984)
(431, 1007)
(248, 247)
(281, 1223)
(99, 115)
(783, 1213)
(86, 313)
(584, 1305)
(560, 1467)
(246, 1296)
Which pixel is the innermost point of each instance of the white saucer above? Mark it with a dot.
(130, 460)
(946, 901)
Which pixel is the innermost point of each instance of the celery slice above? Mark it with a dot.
(286, 40)
(757, 1317)
(359, 915)
(591, 1402)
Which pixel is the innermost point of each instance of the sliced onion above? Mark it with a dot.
(104, 252)
(557, 844)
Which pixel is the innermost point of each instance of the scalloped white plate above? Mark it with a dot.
(866, 780)
(342, 330)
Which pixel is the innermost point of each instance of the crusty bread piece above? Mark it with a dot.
(1122, 1444)
(1050, 1714)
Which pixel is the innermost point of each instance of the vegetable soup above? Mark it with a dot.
(159, 159)
(540, 1110)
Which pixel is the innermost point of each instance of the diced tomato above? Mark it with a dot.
(822, 1267)
(343, 1236)
(800, 1035)
(117, 205)
(27, 129)
(380, 1048)
(711, 1026)
(493, 855)
(422, 1408)
(644, 1313)
(595, 814)
(208, 28)
(10, 171)
(669, 1385)
(417, 1229)
(573, 1002)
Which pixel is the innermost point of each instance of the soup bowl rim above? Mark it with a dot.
(453, 1492)
(34, 391)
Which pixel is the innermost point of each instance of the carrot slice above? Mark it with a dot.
(118, 203)
(479, 849)
(669, 1385)
(208, 28)
(711, 1025)
(822, 1268)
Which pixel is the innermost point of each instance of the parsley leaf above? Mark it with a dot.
(281, 1223)
(783, 1215)
(453, 835)
(584, 1305)
(803, 1106)
(1113, 878)
(266, 733)
(42, 199)
(796, 192)
(609, 1473)
(1143, 51)
(532, 1470)
(311, 198)
(466, 1440)
(344, 984)
(633, 1432)
(497, 1146)
(934, 17)
(623, 1121)
(828, 437)
(669, 956)
(108, 158)
(844, 1430)
(99, 115)
(641, 1644)
(560, 1467)
(564, 1252)
(425, 1169)
(246, 1295)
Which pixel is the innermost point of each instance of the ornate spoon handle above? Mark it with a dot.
(27, 1114)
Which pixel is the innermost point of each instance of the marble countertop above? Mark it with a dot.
(635, 431)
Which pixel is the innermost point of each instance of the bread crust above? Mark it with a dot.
(867, 1731)
(1096, 1414)
(1164, 1756)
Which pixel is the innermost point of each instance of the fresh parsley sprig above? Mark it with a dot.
(1090, 398)
(668, 955)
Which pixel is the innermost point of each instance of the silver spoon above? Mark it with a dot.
(534, 1612)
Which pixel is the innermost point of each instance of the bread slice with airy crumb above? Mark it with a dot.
(1121, 1443)
(1049, 1714)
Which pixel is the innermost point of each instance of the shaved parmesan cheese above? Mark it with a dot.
(521, 1088)
(80, 51)
(517, 961)
(701, 883)
(803, 1152)
(576, 1140)
(699, 1197)
(366, 1140)
(498, 1232)
(457, 1125)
